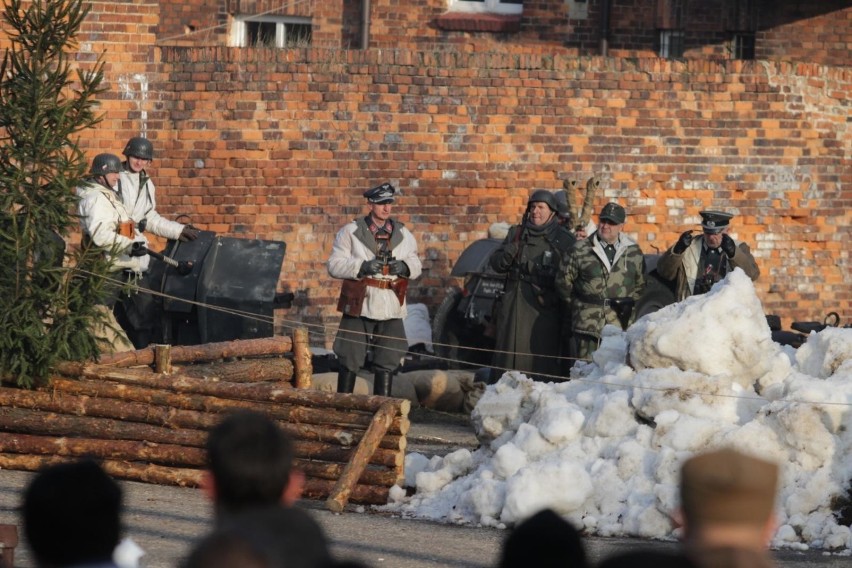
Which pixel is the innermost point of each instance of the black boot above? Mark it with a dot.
(382, 383)
(345, 380)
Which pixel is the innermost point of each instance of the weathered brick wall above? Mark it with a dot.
(806, 31)
(281, 145)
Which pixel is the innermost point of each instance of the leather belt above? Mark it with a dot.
(379, 283)
(595, 301)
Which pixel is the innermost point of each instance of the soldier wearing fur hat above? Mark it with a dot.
(529, 316)
(696, 263)
(375, 256)
(601, 280)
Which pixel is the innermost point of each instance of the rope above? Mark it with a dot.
(293, 324)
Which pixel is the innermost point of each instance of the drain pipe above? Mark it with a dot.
(605, 6)
(365, 24)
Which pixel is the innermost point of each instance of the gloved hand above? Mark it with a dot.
(189, 233)
(729, 246)
(370, 267)
(683, 242)
(138, 249)
(398, 268)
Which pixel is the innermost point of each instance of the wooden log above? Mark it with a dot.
(332, 471)
(262, 392)
(162, 359)
(20, 420)
(126, 411)
(285, 412)
(164, 454)
(185, 477)
(363, 494)
(190, 353)
(274, 369)
(24, 421)
(327, 452)
(302, 359)
(133, 471)
(369, 444)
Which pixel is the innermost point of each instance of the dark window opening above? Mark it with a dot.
(671, 44)
(297, 35)
(744, 45)
(260, 34)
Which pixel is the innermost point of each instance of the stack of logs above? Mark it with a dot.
(151, 426)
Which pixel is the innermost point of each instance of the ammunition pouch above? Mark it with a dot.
(352, 294)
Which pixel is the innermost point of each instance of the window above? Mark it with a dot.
(743, 45)
(270, 31)
(671, 43)
(485, 6)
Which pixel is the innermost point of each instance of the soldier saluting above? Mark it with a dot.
(696, 263)
(375, 256)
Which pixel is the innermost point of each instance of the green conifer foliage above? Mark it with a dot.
(48, 294)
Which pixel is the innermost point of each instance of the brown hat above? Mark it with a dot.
(728, 487)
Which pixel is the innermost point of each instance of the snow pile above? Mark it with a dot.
(605, 449)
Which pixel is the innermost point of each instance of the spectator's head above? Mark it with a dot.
(250, 464)
(544, 540)
(728, 497)
(266, 537)
(71, 514)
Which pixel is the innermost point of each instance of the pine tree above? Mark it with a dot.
(48, 295)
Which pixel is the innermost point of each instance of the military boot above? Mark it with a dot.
(382, 383)
(345, 380)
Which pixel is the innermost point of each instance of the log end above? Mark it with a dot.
(334, 506)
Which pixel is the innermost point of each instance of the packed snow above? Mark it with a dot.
(605, 449)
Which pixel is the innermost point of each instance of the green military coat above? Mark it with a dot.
(529, 314)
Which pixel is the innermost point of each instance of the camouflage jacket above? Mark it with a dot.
(587, 279)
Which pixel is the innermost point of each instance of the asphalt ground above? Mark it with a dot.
(166, 521)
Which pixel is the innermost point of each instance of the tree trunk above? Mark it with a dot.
(283, 412)
(302, 356)
(278, 369)
(262, 392)
(357, 464)
(163, 454)
(191, 353)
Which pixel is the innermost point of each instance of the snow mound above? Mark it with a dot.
(605, 448)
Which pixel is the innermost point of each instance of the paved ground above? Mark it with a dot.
(165, 521)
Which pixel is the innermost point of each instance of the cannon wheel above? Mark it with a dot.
(461, 347)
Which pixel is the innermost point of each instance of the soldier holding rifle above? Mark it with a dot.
(375, 256)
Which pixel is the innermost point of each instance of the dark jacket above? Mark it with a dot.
(529, 314)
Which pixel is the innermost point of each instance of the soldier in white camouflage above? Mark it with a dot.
(601, 279)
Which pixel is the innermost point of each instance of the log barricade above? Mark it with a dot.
(147, 426)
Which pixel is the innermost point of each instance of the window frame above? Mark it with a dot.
(486, 6)
(239, 30)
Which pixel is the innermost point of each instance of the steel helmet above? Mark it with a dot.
(106, 164)
(546, 197)
(139, 147)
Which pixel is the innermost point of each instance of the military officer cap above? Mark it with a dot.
(614, 213)
(380, 194)
(714, 221)
(726, 486)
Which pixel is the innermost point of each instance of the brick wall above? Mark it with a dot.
(281, 144)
